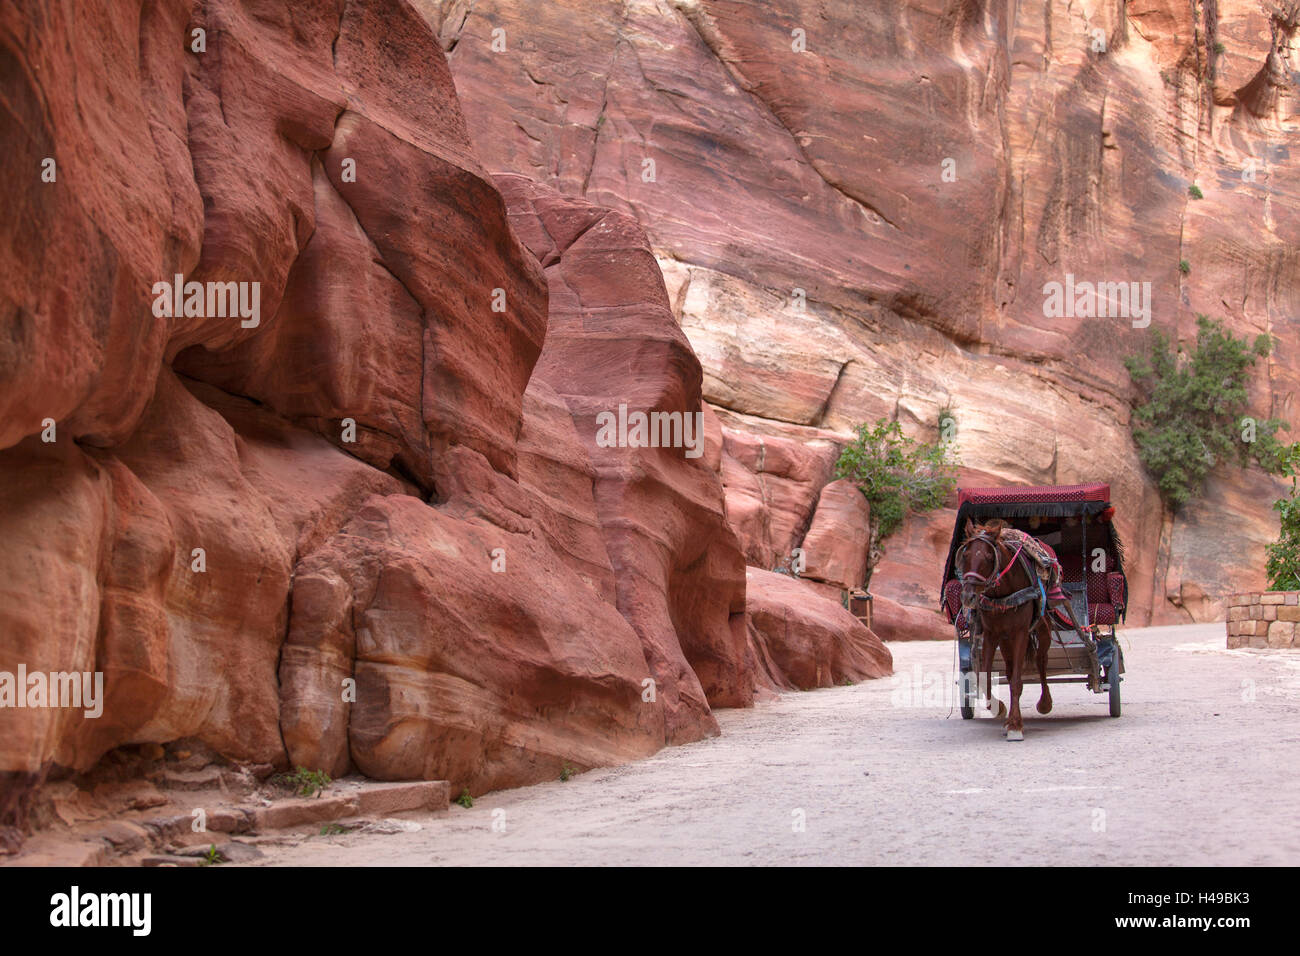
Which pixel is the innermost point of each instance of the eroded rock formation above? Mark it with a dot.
(857, 207)
(366, 524)
(806, 642)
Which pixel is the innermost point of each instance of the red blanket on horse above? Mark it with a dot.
(1041, 555)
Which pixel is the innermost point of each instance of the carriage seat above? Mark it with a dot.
(952, 603)
(1107, 595)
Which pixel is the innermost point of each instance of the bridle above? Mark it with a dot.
(979, 582)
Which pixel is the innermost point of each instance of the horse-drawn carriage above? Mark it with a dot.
(1075, 521)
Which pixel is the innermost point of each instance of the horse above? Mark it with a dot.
(1001, 595)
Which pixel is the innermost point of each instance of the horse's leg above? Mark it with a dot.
(1044, 645)
(1016, 668)
(987, 648)
(986, 665)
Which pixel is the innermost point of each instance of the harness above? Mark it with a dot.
(1009, 602)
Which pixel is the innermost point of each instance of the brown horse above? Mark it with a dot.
(991, 572)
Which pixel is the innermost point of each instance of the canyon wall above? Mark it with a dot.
(355, 517)
(347, 506)
(857, 205)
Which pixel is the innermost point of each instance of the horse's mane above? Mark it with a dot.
(994, 526)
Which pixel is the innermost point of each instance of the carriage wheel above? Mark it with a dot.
(967, 705)
(967, 700)
(1113, 678)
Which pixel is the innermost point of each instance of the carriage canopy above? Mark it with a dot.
(1041, 500)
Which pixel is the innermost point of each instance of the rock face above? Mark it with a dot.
(612, 342)
(838, 541)
(186, 510)
(804, 641)
(906, 622)
(858, 208)
(349, 506)
(484, 678)
(772, 483)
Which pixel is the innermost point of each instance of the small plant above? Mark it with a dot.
(947, 423)
(1195, 191)
(304, 782)
(1184, 266)
(566, 772)
(465, 800)
(332, 829)
(1220, 48)
(212, 857)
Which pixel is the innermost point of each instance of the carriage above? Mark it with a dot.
(1076, 521)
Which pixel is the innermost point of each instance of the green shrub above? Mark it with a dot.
(947, 423)
(1283, 565)
(465, 800)
(1195, 191)
(304, 782)
(1191, 411)
(896, 474)
(1184, 266)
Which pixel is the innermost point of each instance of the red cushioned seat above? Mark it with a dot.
(1115, 589)
(952, 602)
(1101, 613)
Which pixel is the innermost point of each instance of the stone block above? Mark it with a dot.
(292, 813)
(383, 799)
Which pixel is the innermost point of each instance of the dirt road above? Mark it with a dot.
(1202, 768)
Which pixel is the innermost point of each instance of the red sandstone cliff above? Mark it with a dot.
(373, 529)
(805, 147)
(376, 531)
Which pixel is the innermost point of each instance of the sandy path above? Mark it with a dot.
(1193, 773)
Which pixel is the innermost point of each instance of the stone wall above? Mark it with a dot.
(1264, 619)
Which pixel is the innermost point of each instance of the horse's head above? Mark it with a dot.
(978, 561)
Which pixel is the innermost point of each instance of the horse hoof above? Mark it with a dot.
(1015, 735)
